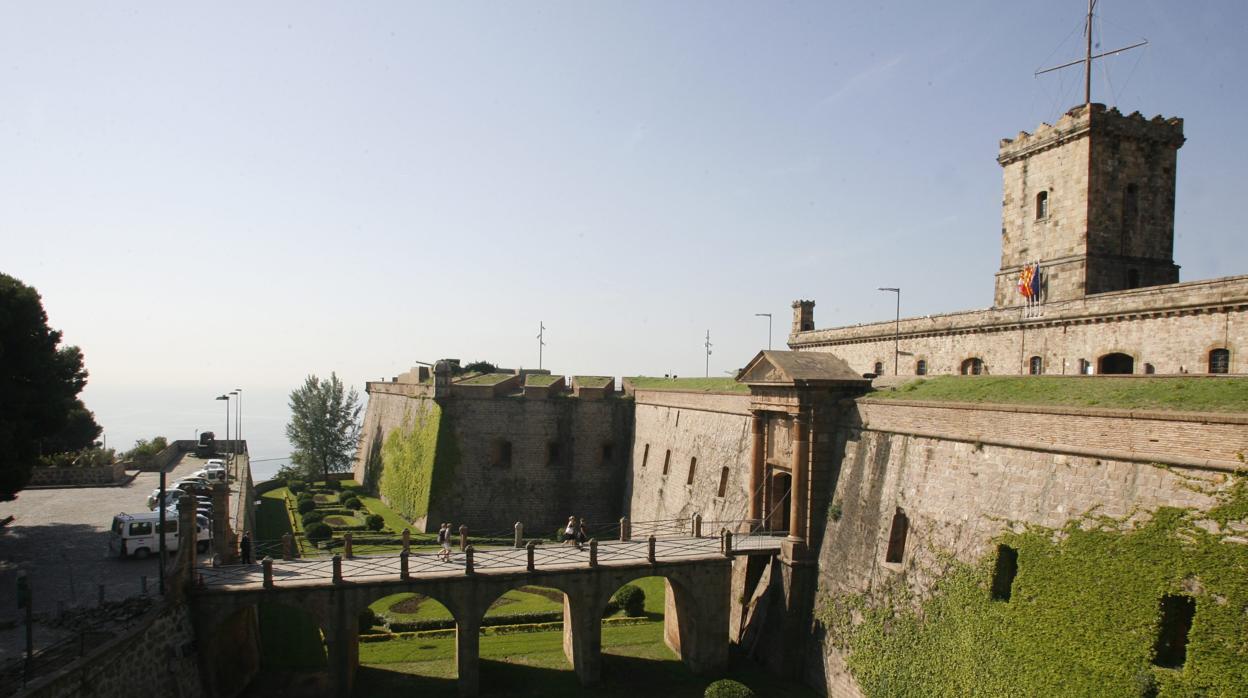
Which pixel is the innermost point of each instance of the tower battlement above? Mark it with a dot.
(1087, 119)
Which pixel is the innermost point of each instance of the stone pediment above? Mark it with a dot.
(799, 367)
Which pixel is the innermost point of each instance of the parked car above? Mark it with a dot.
(210, 476)
(135, 535)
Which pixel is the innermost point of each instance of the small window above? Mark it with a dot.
(1042, 205)
(667, 460)
(897, 537)
(1035, 366)
(1085, 367)
(693, 465)
(1177, 612)
(879, 368)
(1004, 572)
(920, 367)
(500, 453)
(645, 455)
(608, 450)
(552, 453)
(973, 366)
(171, 526)
(1133, 278)
(1220, 361)
(808, 326)
(1150, 369)
(723, 482)
(141, 528)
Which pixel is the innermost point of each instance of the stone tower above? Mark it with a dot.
(1090, 198)
(803, 316)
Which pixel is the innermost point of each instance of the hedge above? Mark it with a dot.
(727, 688)
(319, 531)
(632, 599)
(305, 505)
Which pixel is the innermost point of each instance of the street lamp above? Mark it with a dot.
(227, 416)
(768, 316)
(238, 423)
(896, 327)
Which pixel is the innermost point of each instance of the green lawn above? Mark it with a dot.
(701, 385)
(1183, 393)
(485, 379)
(289, 640)
(636, 662)
(540, 379)
(406, 607)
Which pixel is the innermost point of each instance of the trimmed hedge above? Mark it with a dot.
(296, 486)
(319, 531)
(353, 502)
(374, 522)
(727, 688)
(305, 505)
(632, 599)
(312, 517)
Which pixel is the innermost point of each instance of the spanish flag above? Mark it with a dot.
(1025, 278)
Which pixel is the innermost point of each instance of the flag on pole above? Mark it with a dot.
(1024, 280)
(1035, 283)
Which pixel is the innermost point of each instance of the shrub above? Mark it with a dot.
(312, 517)
(368, 618)
(727, 688)
(334, 485)
(306, 505)
(320, 531)
(353, 502)
(296, 486)
(375, 522)
(632, 599)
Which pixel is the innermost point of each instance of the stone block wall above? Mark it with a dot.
(155, 658)
(71, 477)
(676, 427)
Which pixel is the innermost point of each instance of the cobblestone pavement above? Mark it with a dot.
(60, 538)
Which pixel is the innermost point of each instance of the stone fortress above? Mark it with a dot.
(873, 493)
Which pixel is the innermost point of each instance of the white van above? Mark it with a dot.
(210, 475)
(135, 534)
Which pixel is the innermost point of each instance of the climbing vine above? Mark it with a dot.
(418, 460)
(1082, 618)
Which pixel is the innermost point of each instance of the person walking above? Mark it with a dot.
(582, 536)
(569, 531)
(444, 539)
(244, 549)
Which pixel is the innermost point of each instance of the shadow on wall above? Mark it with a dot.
(372, 464)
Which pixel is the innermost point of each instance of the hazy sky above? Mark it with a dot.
(237, 195)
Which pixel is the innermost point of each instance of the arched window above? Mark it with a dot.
(1150, 369)
(973, 366)
(1220, 361)
(1042, 205)
(1115, 363)
(920, 367)
(879, 368)
(1035, 366)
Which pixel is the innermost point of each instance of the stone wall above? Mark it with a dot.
(676, 427)
(1173, 328)
(951, 471)
(155, 658)
(71, 477)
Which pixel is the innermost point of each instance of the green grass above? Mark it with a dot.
(635, 662)
(510, 603)
(485, 379)
(289, 639)
(540, 379)
(393, 521)
(592, 381)
(700, 385)
(1181, 393)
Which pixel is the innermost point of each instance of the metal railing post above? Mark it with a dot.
(529, 550)
(625, 533)
(693, 524)
(727, 543)
(286, 546)
(697, 525)
(650, 548)
(403, 569)
(347, 539)
(407, 541)
(519, 535)
(267, 565)
(468, 551)
(593, 552)
(337, 560)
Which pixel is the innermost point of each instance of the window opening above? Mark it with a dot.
(500, 453)
(1035, 366)
(897, 537)
(667, 460)
(1177, 611)
(1085, 367)
(608, 450)
(693, 465)
(920, 367)
(723, 482)
(1042, 205)
(973, 366)
(879, 368)
(1133, 278)
(1116, 363)
(552, 453)
(645, 455)
(1220, 361)
(143, 528)
(1004, 573)
(1150, 369)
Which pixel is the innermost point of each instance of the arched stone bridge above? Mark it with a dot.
(334, 591)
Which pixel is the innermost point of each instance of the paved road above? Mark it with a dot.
(60, 538)
(487, 561)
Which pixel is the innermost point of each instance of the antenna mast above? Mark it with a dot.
(1088, 57)
(541, 342)
(708, 353)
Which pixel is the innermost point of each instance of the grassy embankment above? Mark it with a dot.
(699, 385)
(1175, 393)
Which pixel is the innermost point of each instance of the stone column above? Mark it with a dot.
(582, 637)
(797, 498)
(342, 640)
(467, 655)
(758, 454)
(696, 616)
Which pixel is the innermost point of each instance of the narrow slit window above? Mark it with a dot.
(645, 455)
(608, 450)
(1004, 573)
(552, 453)
(723, 482)
(500, 453)
(897, 537)
(1177, 612)
(693, 465)
(667, 460)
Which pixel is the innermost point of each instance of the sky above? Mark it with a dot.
(237, 195)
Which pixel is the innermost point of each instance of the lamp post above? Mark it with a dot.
(768, 316)
(896, 327)
(238, 423)
(227, 416)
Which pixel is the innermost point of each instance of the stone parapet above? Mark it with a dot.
(1086, 119)
(73, 477)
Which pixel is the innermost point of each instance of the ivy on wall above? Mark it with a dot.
(1081, 619)
(418, 461)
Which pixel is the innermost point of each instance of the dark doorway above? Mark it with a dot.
(897, 537)
(780, 499)
(1115, 363)
(1177, 611)
(1004, 573)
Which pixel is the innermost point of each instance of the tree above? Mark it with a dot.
(40, 413)
(324, 426)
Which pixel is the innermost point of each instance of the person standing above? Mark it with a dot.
(244, 548)
(444, 539)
